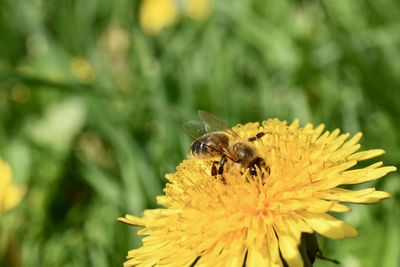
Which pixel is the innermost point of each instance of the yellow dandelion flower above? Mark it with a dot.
(154, 15)
(197, 9)
(258, 220)
(10, 194)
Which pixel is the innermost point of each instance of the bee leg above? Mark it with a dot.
(256, 137)
(221, 165)
(214, 170)
(268, 170)
(221, 168)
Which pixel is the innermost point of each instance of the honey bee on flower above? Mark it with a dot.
(213, 138)
(245, 222)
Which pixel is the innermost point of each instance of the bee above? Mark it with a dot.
(212, 138)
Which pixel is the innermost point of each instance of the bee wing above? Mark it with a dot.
(221, 150)
(214, 124)
(195, 129)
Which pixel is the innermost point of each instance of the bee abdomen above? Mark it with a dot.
(200, 149)
(209, 145)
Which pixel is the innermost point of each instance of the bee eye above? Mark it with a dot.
(236, 147)
(240, 149)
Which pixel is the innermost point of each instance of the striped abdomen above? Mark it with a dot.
(209, 145)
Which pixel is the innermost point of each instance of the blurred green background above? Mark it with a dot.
(91, 109)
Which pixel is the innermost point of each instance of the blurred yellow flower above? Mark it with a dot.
(10, 194)
(114, 46)
(197, 9)
(82, 69)
(158, 14)
(258, 220)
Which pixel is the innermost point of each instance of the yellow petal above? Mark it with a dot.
(331, 177)
(317, 132)
(133, 220)
(131, 262)
(236, 255)
(329, 226)
(161, 200)
(289, 249)
(366, 174)
(353, 141)
(336, 143)
(363, 155)
(257, 257)
(339, 208)
(211, 256)
(368, 195)
(316, 205)
(147, 263)
(263, 250)
(296, 224)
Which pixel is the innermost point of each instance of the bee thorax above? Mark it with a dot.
(244, 152)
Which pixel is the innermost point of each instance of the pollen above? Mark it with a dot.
(258, 220)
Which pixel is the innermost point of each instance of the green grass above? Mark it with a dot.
(92, 150)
